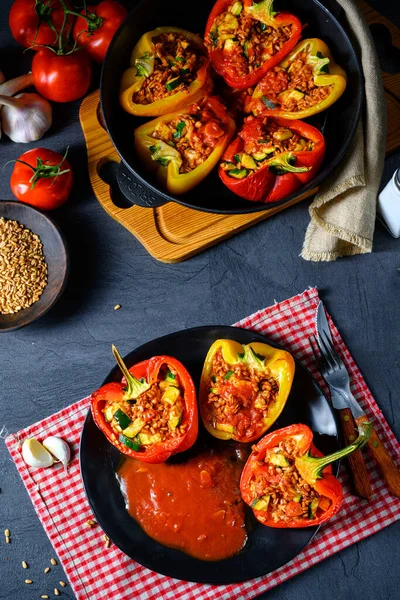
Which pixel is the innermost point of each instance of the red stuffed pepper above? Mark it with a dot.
(271, 158)
(289, 483)
(246, 39)
(152, 413)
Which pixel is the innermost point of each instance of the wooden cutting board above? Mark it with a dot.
(173, 233)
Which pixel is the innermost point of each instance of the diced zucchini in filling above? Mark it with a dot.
(170, 395)
(236, 9)
(246, 47)
(224, 427)
(278, 459)
(171, 378)
(283, 134)
(260, 503)
(229, 44)
(175, 418)
(227, 28)
(227, 166)
(290, 95)
(312, 508)
(248, 162)
(297, 498)
(146, 440)
(259, 156)
(122, 419)
(134, 428)
(238, 173)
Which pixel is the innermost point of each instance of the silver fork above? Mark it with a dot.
(337, 378)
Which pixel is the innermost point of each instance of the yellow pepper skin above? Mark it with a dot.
(143, 54)
(168, 173)
(325, 72)
(278, 363)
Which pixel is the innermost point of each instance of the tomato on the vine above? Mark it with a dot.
(34, 23)
(42, 178)
(96, 29)
(61, 77)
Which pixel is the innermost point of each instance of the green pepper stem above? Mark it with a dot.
(134, 386)
(310, 467)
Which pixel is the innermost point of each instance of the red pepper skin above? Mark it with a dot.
(149, 369)
(226, 66)
(96, 39)
(266, 186)
(327, 486)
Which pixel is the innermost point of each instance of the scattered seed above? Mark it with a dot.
(24, 564)
(44, 596)
(28, 581)
(8, 540)
(117, 307)
(56, 592)
(107, 541)
(53, 561)
(63, 584)
(47, 569)
(91, 523)
(7, 532)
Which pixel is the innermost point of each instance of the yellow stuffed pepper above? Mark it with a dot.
(182, 148)
(168, 69)
(306, 82)
(243, 389)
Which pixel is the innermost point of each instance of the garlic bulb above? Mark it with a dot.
(58, 448)
(25, 118)
(35, 455)
(11, 87)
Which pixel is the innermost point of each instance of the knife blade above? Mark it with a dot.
(361, 481)
(385, 463)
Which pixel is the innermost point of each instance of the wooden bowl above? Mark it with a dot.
(56, 256)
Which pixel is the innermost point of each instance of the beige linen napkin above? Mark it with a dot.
(343, 211)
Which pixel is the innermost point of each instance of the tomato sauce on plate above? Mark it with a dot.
(193, 506)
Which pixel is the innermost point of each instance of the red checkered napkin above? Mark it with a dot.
(96, 572)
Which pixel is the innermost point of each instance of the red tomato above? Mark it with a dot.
(61, 77)
(42, 16)
(97, 32)
(38, 184)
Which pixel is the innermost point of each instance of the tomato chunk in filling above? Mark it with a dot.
(239, 398)
(263, 139)
(193, 134)
(293, 89)
(246, 42)
(154, 417)
(279, 490)
(173, 68)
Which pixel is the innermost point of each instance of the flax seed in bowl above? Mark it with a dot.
(33, 265)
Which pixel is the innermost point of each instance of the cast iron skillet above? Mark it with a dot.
(338, 122)
(267, 548)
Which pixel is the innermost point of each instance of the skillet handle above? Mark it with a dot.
(135, 192)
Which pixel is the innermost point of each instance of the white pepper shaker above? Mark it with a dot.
(389, 205)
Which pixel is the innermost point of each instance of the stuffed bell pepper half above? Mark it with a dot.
(152, 413)
(243, 389)
(306, 82)
(271, 158)
(245, 39)
(168, 69)
(182, 148)
(289, 483)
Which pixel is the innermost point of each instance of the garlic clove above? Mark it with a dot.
(58, 448)
(26, 117)
(35, 455)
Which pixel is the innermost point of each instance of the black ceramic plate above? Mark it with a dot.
(267, 549)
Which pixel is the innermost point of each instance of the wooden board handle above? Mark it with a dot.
(386, 465)
(362, 485)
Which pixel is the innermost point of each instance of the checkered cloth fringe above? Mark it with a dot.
(96, 572)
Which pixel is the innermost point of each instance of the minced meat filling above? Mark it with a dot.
(239, 398)
(176, 62)
(249, 41)
(280, 491)
(154, 417)
(264, 139)
(194, 134)
(293, 89)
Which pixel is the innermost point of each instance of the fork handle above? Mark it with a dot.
(385, 463)
(362, 485)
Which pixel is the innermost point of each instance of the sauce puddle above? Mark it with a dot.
(193, 506)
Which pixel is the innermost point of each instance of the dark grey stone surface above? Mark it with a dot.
(65, 355)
